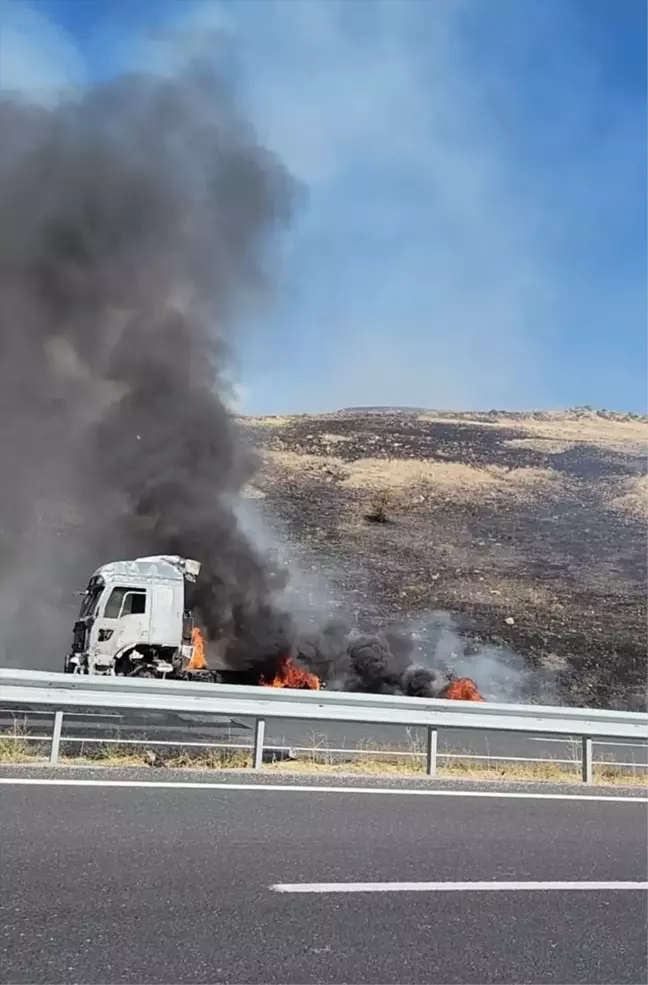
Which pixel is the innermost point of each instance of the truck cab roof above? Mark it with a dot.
(160, 567)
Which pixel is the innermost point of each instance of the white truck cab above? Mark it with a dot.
(134, 619)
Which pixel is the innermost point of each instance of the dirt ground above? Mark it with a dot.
(530, 529)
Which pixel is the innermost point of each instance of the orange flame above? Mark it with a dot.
(463, 690)
(198, 660)
(288, 674)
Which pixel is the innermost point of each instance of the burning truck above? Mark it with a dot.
(136, 620)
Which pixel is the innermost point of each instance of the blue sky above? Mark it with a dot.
(474, 229)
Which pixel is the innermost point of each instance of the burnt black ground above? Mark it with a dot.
(569, 566)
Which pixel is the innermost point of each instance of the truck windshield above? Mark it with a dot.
(90, 599)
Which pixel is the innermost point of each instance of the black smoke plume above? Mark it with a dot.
(381, 663)
(135, 224)
(136, 221)
(384, 664)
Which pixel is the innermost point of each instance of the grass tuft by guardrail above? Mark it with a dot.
(111, 754)
(18, 747)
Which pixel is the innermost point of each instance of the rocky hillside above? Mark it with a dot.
(530, 529)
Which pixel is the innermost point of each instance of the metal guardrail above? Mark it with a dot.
(61, 692)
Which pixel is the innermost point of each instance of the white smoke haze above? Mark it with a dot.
(437, 643)
(500, 673)
(309, 594)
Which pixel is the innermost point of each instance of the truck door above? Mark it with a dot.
(133, 621)
(122, 621)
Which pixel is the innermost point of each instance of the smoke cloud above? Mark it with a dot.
(136, 220)
(412, 662)
(136, 224)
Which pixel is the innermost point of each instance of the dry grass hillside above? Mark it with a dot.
(536, 518)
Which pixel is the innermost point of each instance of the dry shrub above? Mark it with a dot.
(379, 506)
(632, 497)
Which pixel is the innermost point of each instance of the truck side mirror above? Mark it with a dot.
(187, 627)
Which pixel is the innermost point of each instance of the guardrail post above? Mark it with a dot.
(56, 738)
(586, 759)
(259, 735)
(431, 756)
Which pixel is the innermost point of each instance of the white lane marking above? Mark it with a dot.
(452, 887)
(300, 788)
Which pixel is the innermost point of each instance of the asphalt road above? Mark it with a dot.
(174, 883)
(187, 728)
